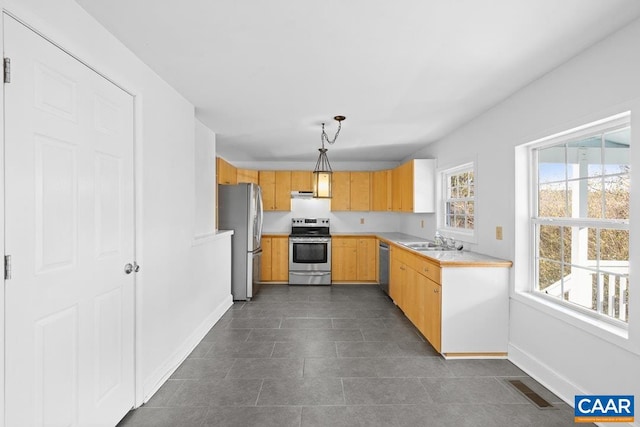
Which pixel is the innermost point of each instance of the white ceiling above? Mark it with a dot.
(265, 74)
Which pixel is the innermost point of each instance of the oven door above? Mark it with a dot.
(309, 253)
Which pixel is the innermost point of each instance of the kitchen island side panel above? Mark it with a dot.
(475, 310)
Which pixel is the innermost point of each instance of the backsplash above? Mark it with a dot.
(280, 222)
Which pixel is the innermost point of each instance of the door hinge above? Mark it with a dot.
(7, 267)
(7, 70)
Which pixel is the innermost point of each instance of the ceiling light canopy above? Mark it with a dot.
(322, 172)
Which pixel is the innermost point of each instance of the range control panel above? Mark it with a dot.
(310, 221)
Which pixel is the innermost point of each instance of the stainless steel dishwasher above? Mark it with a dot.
(383, 266)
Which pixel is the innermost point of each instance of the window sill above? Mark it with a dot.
(613, 334)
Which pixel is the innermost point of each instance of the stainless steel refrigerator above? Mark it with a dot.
(240, 209)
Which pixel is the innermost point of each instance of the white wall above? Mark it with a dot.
(566, 354)
(184, 283)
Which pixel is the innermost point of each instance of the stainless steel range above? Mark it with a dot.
(310, 252)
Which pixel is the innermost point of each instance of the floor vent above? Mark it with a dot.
(534, 397)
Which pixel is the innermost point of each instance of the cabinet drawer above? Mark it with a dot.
(427, 268)
(344, 242)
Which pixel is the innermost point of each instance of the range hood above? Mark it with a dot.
(302, 194)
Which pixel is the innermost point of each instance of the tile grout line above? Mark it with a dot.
(259, 392)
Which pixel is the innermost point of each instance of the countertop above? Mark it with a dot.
(443, 258)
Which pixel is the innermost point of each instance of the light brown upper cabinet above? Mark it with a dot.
(340, 191)
(301, 181)
(267, 181)
(225, 171)
(276, 190)
(413, 186)
(283, 190)
(381, 191)
(247, 175)
(351, 191)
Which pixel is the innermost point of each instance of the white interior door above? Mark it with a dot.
(69, 230)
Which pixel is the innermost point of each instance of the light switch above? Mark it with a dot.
(422, 223)
(361, 220)
(498, 232)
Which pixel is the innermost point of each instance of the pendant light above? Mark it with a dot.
(322, 172)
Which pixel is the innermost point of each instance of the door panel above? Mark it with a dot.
(69, 229)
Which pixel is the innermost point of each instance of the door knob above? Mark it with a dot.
(131, 268)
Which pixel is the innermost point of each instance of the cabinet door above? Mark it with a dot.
(267, 181)
(283, 190)
(410, 296)
(396, 190)
(396, 278)
(247, 175)
(301, 181)
(381, 191)
(226, 172)
(406, 177)
(360, 188)
(280, 259)
(344, 259)
(340, 189)
(266, 270)
(367, 259)
(432, 314)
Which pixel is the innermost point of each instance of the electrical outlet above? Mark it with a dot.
(422, 223)
(498, 232)
(361, 220)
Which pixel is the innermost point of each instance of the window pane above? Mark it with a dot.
(552, 200)
(550, 242)
(614, 250)
(469, 222)
(470, 208)
(617, 197)
(551, 164)
(615, 295)
(594, 198)
(549, 277)
(450, 222)
(585, 157)
(580, 287)
(616, 151)
(454, 193)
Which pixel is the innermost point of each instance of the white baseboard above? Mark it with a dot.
(552, 380)
(162, 374)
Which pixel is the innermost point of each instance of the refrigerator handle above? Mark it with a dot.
(260, 215)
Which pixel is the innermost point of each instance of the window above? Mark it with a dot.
(580, 219)
(459, 199)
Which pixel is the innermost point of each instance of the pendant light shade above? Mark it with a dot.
(322, 176)
(322, 172)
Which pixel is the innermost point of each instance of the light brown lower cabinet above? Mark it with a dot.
(354, 259)
(275, 259)
(415, 293)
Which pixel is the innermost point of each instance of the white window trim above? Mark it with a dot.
(452, 232)
(524, 287)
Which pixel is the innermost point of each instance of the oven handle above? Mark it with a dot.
(310, 239)
(310, 273)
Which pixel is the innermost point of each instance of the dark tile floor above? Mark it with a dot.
(335, 356)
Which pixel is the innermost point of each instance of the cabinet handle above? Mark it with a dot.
(426, 270)
(402, 268)
(435, 291)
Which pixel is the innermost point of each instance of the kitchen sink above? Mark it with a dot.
(426, 246)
